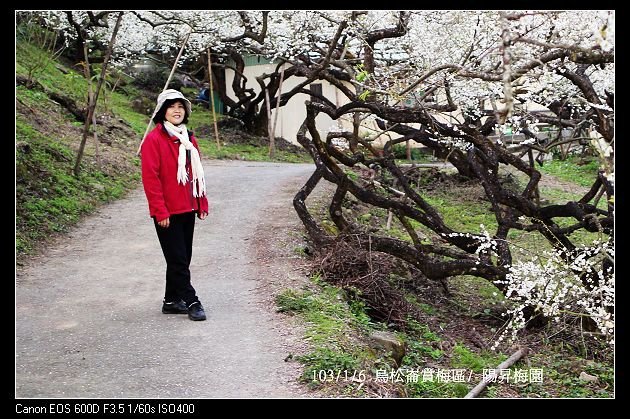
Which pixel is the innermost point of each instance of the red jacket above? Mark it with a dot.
(159, 176)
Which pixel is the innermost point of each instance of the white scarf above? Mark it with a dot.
(198, 179)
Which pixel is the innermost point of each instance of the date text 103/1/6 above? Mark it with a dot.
(338, 375)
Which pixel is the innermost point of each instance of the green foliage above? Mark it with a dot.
(353, 176)
(422, 330)
(417, 154)
(419, 352)
(330, 227)
(465, 358)
(71, 84)
(291, 300)
(364, 95)
(365, 218)
(427, 308)
(358, 310)
(201, 117)
(362, 74)
(327, 311)
(419, 340)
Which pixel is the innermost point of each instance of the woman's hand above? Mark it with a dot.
(165, 222)
(201, 215)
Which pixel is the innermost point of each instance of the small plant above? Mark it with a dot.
(327, 361)
(465, 358)
(293, 301)
(364, 95)
(362, 74)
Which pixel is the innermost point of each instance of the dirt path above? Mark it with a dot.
(88, 320)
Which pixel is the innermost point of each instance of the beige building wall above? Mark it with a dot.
(292, 115)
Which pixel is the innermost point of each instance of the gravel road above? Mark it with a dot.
(88, 321)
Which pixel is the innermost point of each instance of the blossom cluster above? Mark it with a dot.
(561, 285)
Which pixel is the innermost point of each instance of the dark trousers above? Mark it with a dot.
(176, 242)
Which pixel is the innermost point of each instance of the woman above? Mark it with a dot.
(175, 187)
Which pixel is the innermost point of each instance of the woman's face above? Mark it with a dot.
(175, 113)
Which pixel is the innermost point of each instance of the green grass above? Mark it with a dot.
(465, 358)
(119, 105)
(331, 320)
(71, 84)
(559, 196)
(436, 389)
(420, 341)
(327, 312)
(246, 152)
(201, 116)
(527, 244)
(426, 308)
(323, 364)
(48, 197)
(570, 170)
(475, 296)
(463, 215)
(425, 357)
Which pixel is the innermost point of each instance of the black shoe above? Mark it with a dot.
(195, 311)
(174, 307)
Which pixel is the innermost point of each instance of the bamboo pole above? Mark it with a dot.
(389, 220)
(211, 98)
(170, 76)
(272, 137)
(269, 123)
(505, 364)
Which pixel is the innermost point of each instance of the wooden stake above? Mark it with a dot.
(272, 137)
(88, 76)
(211, 98)
(92, 106)
(269, 122)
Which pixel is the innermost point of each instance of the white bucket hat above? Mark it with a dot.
(171, 94)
